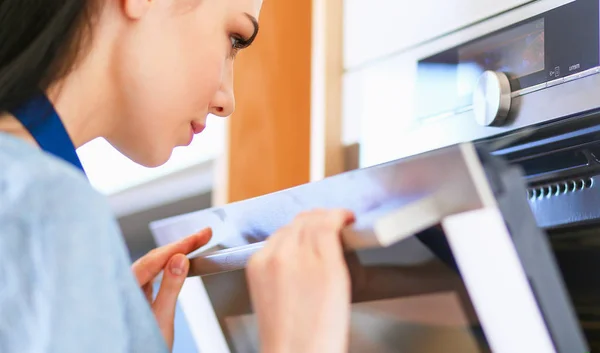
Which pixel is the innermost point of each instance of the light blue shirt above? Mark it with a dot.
(65, 280)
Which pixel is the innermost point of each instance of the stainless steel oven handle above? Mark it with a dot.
(379, 228)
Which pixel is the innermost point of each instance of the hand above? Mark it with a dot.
(300, 287)
(172, 258)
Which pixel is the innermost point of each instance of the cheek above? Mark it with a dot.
(176, 85)
(187, 76)
(164, 83)
(202, 74)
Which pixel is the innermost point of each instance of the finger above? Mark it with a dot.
(340, 218)
(259, 258)
(148, 291)
(280, 249)
(325, 234)
(166, 299)
(149, 266)
(285, 240)
(272, 253)
(314, 225)
(335, 219)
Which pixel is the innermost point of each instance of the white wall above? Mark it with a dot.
(376, 28)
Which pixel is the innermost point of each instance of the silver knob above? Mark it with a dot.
(492, 98)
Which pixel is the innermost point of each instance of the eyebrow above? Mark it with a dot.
(255, 24)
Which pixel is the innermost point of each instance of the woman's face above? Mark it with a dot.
(173, 65)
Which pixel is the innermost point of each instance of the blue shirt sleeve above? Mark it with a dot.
(65, 278)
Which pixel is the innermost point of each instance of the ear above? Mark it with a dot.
(136, 9)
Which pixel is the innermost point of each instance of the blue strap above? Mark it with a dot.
(40, 118)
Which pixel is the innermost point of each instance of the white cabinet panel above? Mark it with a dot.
(376, 28)
(352, 107)
(378, 104)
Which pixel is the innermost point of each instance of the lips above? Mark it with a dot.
(197, 127)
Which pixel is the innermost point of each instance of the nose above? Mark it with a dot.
(223, 103)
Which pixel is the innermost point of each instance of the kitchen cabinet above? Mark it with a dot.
(377, 28)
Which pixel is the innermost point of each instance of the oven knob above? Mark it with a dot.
(492, 98)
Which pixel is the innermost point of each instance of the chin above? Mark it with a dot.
(148, 155)
(154, 161)
(150, 159)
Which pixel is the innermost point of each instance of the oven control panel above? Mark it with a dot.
(492, 95)
(549, 49)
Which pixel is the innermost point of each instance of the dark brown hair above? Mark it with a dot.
(40, 42)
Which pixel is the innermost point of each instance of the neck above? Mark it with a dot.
(81, 99)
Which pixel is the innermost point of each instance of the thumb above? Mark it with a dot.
(166, 300)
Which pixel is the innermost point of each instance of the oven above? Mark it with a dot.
(531, 90)
(526, 92)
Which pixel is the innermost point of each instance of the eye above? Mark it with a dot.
(237, 43)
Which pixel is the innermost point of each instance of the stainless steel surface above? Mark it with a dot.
(589, 72)
(572, 77)
(543, 106)
(556, 82)
(456, 178)
(366, 192)
(528, 90)
(463, 109)
(491, 99)
(223, 260)
(518, 93)
(423, 324)
(580, 204)
(376, 229)
(582, 74)
(402, 294)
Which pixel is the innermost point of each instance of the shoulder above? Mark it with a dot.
(65, 264)
(47, 204)
(33, 181)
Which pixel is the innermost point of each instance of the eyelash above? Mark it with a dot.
(237, 43)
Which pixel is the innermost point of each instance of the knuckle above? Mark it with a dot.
(339, 218)
(256, 263)
(304, 231)
(263, 267)
(310, 214)
(306, 218)
(172, 284)
(303, 216)
(276, 263)
(151, 254)
(142, 264)
(339, 214)
(286, 229)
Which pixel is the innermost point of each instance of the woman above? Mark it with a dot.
(143, 74)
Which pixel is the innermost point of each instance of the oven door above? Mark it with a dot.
(490, 284)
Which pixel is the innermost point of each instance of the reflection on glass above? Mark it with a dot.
(436, 88)
(446, 80)
(518, 52)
